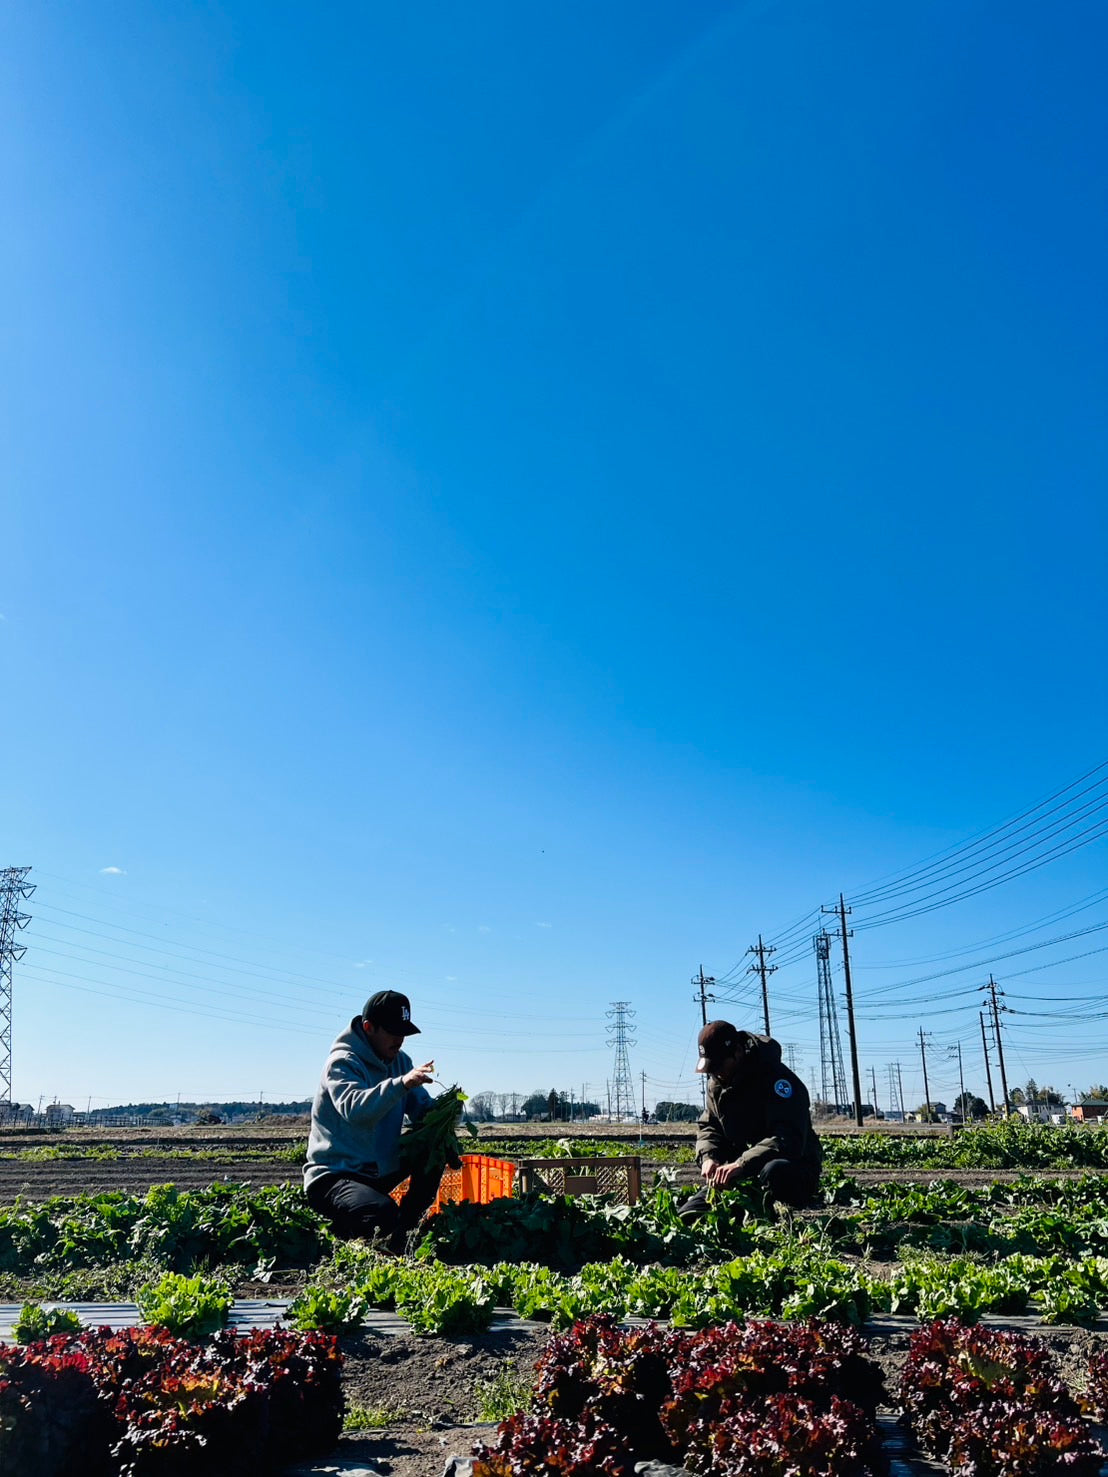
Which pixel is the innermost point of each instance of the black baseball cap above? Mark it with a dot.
(717, 1040)
(392, 1011)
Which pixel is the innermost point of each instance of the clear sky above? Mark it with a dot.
(510, 502)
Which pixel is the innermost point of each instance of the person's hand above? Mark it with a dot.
(708, 1169)
(418, 1076)
(727, 1175)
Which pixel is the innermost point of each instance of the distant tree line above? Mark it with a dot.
(221, 1111)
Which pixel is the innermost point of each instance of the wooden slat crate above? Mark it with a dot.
(621, 1178)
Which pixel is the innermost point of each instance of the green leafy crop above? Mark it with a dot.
(190, 1307)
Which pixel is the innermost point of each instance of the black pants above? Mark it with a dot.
(783, 1179)
(359, 1206)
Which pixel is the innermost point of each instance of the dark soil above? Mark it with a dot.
(429, 1392)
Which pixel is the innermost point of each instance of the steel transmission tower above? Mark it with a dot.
(832, 1072)
(623, 1036)
(14, 889)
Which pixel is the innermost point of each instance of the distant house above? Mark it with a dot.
(1090, 1111)
(1037, 1112)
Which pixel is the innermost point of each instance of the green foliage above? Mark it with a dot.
(585, 1148)
(1012, 1145)
(432, 1298)
(327, 1311)
(565, 1232)
(432, 1143)
(368, 1418)
(183, 1230)
(36, 1322)
(190, 1307)
(443, 1300)
(503, 1396)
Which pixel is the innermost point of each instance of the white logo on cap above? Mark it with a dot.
(405, 1013)
(783, 1088)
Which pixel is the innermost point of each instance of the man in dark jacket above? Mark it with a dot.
(756, 1125)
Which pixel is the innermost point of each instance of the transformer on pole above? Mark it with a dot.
(14, 889)
(623, 1036)
(832, 1071)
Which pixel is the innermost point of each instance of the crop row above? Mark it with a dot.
(258, 1228)
(141, 1403)
(181, 1229)
(791, 1282)
(758, 1400)
(1014, 1145)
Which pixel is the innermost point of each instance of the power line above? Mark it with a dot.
(874, 891)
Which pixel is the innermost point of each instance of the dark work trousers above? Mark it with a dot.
(359, 1206)
(783, 1179)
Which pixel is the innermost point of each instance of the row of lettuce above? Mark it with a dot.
(790, 1283)
(143, 1403)
(737, 1400)
(759, 1399)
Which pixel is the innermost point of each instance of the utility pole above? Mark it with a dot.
(988, 1069)
(703, 981)
(873, 1086)
(923, 1053)
(842, 911)
(14, 889)
(961, 1079)
(994, 991)
(900, 1091)
(765, 970)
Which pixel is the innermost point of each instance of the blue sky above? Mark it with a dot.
(532, 497)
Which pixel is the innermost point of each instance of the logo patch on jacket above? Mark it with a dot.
(783, 1088)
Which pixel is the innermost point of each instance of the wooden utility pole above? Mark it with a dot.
(923, 1054)
(988, 1069)
(703, 981)
(765, 970)
(842, 910)
(961, 1078)
(993, 992)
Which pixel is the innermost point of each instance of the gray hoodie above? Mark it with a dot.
(359, 1109)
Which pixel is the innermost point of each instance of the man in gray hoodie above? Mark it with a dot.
(369, 1086)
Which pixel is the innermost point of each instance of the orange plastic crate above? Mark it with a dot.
(480, 1179)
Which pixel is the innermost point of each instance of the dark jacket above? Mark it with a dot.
(763, 1115)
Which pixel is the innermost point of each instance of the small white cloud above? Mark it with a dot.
(112, 872)
(450, 977)
(362, 963)
(484, 928)
(544, 925)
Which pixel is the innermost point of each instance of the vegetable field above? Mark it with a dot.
(947, 1297)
